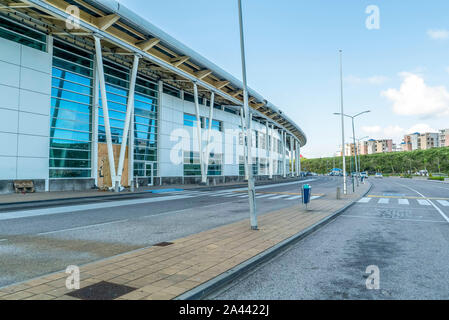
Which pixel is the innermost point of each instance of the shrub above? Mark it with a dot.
(436, 178)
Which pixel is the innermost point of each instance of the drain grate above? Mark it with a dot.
(101, 291)
(163, 244)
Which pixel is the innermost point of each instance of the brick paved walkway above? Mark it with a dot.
(162, 273)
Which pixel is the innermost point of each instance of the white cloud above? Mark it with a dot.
(415, 97)
(395, 132)
(374, 80)
(421, 128)
(438, 34)
(372, 129)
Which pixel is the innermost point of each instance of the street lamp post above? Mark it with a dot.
(358, 155)
(251, 188)
(342, 125)
(353, 136)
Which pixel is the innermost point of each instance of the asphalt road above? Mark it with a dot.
(394, 228)
(38, 239)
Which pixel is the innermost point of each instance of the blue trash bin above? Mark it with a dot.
(306, 193)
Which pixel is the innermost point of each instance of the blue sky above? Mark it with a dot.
(400, 71)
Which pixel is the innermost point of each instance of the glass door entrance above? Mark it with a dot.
(149, 172)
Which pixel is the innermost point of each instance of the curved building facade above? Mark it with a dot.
(85, 84)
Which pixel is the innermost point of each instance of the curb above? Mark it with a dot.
(207, 288)
(130, 194)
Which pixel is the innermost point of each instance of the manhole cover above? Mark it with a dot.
(101, 291)
(163, 244)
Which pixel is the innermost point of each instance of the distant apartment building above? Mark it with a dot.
(349, 149)
(429, 140)
(363, 147)
(371, 146)
(423, 141)
(384, 145)
(444, 138)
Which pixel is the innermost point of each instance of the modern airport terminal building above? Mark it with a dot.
(87, 83)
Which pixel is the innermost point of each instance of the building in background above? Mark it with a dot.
(429, 140)
(54, 128)
(384, 145)
(423, 141)
(444, 138)
(371, 146)
(363, 147)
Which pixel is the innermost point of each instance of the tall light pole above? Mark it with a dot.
(249, 144)
(353, 136)
(358, 140)
(345, 191)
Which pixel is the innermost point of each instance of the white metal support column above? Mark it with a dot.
(299, 159)
(96, 99)
(198, 130)
(104, 103)
(47, 176)
(207, 151)
(284, 151)
(292, 160)
(267, 148)
(129, 113)
(296, 158)
(271, 152)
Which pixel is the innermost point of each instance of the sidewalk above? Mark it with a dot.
(173, 269)
(14, 198)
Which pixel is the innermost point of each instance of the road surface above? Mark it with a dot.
(396, 228)
(39, 239)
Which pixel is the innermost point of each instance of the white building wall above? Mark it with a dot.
(25, 87)
(172, 126)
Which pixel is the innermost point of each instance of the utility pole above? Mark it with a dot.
(345, 191)
(251, 187)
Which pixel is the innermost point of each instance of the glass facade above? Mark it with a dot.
(71, 112)
(145, 115)
(190, 121)
(192, 164)
(22, 34)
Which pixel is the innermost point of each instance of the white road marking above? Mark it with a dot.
(378, 218)
(230, 195)
(293, 198)
(365, 200)
(244, 196)
(84, 207)
(383, 201)
(2, 240)
(279, 196)
(314, 197)
(423, 202)
(433, 204)
(82, 227)
(444, 203)
(263, 196)
(220, 194)
(403, 201)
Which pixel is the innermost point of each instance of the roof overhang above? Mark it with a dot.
(125, 33)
